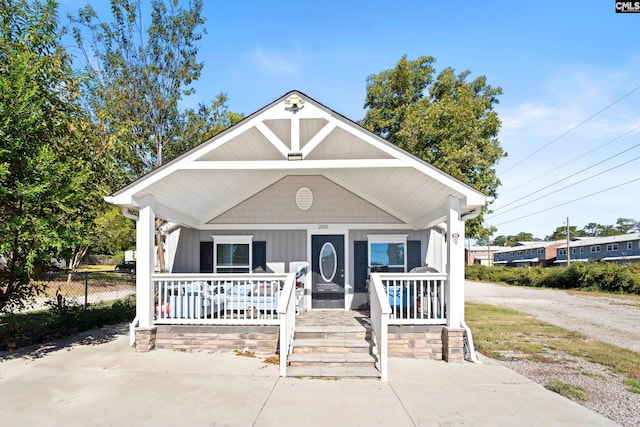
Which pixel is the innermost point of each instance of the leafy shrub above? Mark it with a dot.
(558, 277)
(579, 275)
(606, 277)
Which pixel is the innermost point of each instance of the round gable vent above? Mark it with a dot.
(304, 198)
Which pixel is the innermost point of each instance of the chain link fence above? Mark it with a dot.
(85, 288)
(68, 304)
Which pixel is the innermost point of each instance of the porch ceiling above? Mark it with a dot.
(252, 155)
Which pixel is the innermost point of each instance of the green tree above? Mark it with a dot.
(45, 156)
(610, 230)
(502, 240)
(447, 121)
(112, 233)
(560, 233)
(510, 240)
(525, 237)
(136, 76)
(626, 225)
(138, 73)
(593, 229)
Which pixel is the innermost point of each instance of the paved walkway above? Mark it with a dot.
(100, 381)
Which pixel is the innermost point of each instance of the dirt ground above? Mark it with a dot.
(611, 319)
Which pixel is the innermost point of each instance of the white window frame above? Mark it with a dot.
(573, 251)
(595, 249)
(562, 251)
(232, 240)
(629, 246)
(612, 247)
(388, 238)
(540, 251)
(581, 250)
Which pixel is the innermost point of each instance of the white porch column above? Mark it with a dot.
(145, 237)
(455, 264)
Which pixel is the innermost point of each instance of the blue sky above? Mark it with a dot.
(558, 63)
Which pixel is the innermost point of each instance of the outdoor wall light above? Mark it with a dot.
(294, 156)
(455, 237)
(295, 103)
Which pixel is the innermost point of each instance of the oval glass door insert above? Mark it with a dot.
(328, 262)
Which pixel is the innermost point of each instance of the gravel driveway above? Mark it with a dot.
(614, 320)
(611, 319)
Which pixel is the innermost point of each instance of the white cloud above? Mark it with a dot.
(524, 115)
(278, 62)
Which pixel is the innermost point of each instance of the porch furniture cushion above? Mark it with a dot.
(261, 298)
(400, 296)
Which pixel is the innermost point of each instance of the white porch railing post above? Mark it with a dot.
(144, 265)
(283, 346)
(454, 295)
(384, 347)
(380, 311)
(287, 318)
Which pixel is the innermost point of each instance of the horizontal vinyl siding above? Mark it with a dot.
(332, 204)
(282, 247)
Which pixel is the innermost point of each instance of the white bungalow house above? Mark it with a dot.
(297, 194)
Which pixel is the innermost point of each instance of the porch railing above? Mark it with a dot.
(404, 299)
(415, 298)
(229, 299)
(380, 311)
(221, 299)
(287, 315)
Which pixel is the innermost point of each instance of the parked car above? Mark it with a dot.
(126, 267)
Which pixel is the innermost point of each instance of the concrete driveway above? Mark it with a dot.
(98, 380)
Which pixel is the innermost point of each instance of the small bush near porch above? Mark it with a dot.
(44, 325)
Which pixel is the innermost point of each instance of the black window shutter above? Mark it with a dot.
(360, 255)
(259, 255)
(206, 257)
(414, 251)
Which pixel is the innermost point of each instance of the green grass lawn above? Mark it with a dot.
(499, 332)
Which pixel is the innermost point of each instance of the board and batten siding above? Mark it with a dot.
(283, 246)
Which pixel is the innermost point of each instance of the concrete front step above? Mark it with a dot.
(343, 359)
(333, 372)
(331, 345)
(324, 334)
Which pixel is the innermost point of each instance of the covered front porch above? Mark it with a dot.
(258, 312)
(297, 208)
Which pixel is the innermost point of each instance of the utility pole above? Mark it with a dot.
(568, 239)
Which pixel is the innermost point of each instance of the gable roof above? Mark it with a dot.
(618, 238)
(296, 135)
(523, 246)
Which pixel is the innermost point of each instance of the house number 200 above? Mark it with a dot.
(323, 226)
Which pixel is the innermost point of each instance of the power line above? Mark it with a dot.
(570, 130)
(568, 186)
(568, 162)
(567, 177)
(566, 203)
